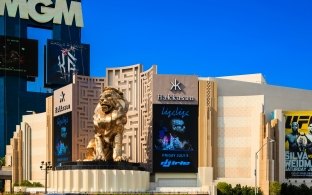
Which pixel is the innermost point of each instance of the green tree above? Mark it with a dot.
(224, 189)
(275, 188)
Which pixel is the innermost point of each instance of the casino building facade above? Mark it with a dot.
(189, 132)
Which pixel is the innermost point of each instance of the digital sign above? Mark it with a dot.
(298, 144)
(62, 143)
(65, 59)
(18, 57)
(175, 138)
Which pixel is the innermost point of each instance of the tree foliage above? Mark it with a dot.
(275, 188)
(290, 189)
(224, 188)
(27, 183)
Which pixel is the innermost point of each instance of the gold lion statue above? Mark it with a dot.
(109, 119)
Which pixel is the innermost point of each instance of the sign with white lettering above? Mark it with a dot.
(298, 144)
(44, 11)
(175, 130)
(62, 99)
(64, 60)
(170, 89)
(62, 139)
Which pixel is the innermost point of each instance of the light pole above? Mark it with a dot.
(46, 166)
(256, 157)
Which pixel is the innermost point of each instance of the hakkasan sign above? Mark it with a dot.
(298, 144)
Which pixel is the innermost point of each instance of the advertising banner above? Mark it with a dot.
(18, 57)
(62, 143)
(298, 144)
(65, 59)
(175, 135)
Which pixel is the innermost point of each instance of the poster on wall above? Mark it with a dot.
(298, 144)
(62, 143)
(175, 131)
(18, 57)
(65, 59)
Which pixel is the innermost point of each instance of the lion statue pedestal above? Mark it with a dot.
(104, 169)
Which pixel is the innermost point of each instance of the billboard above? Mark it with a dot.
(65, 59)
(298, 144)
(18, 57)
(62, 142)
(175, 138)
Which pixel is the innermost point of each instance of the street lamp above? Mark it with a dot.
(45, 166)
(256, 157)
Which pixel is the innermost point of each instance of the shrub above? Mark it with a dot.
(226, 189)
(27, 183)
(275, 188)
(290, 189)
(223, 188)
(37, 184)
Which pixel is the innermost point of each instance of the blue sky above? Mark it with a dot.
(203, 37)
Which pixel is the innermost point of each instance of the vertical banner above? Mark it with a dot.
(175, 138)
(62, 144)
(298, 144)
(65, 59)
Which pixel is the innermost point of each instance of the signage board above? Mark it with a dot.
(298, 144)
(65, 59)
(175, 138)
(18, 57)
(62, 142)
(171, 89)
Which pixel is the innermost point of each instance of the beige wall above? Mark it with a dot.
(99, 181)
(29, 146)
(145, 116)
(86, 94)
(252, 78)
(239, 126)
(276, 97)
(35, 144)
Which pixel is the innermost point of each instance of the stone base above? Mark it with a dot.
(83, 178)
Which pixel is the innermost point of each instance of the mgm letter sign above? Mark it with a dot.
(46, 11)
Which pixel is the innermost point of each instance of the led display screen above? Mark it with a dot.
(175, 138)
(62, 142)
(18, 57)
(65, 59)
(298, 144)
